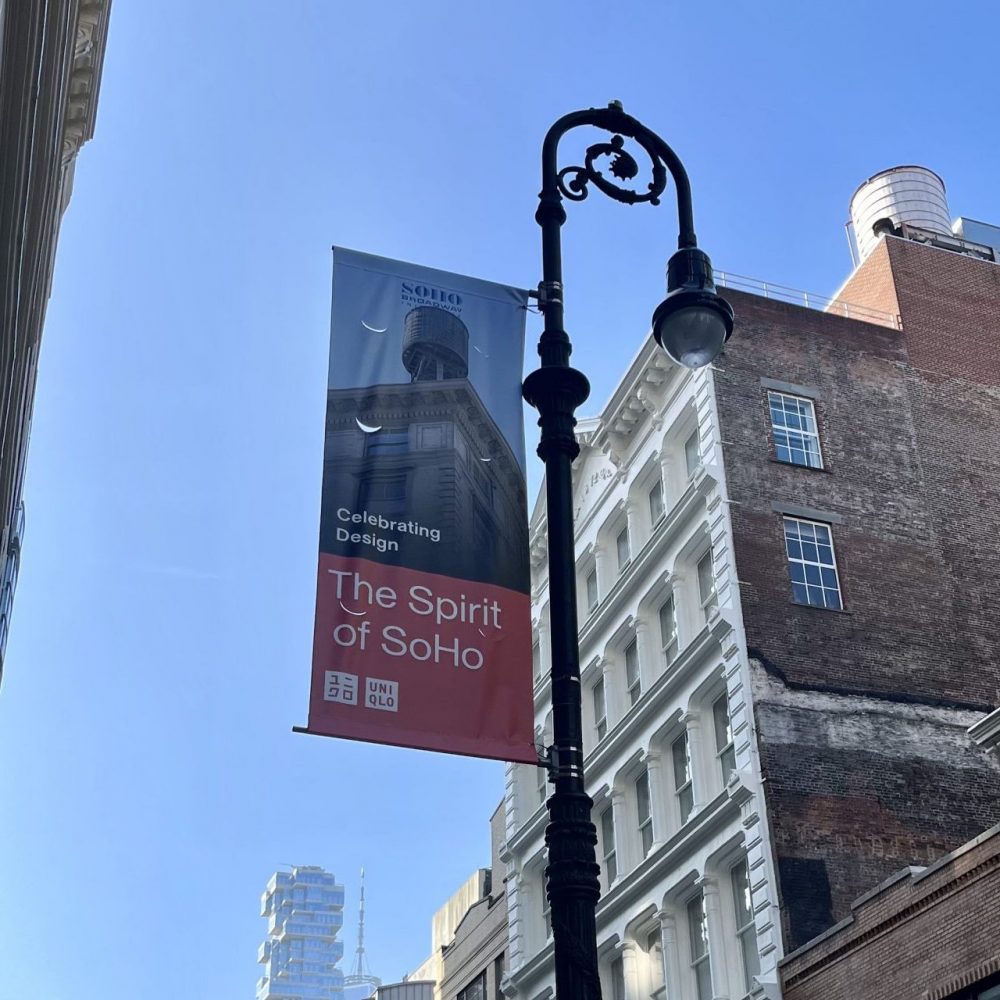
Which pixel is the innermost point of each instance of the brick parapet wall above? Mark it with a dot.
(920, 934)
(914, 485)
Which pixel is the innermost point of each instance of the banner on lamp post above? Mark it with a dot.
(422, 631)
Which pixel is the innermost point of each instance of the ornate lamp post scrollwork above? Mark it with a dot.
(691, 325)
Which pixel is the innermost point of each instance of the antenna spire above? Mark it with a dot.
(360, 962)
(361, 974)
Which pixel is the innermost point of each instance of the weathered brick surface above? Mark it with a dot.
(922, 934)
(861, 715)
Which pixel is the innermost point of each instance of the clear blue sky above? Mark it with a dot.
(159, 653)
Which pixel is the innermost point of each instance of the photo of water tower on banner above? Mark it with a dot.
(422, 634)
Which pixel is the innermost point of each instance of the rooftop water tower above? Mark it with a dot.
(435, 345)
(909, 195)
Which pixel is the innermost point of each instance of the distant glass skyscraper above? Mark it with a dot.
(305, 911)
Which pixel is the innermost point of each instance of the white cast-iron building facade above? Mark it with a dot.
(688, 903)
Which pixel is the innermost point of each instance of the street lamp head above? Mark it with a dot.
(693, 322)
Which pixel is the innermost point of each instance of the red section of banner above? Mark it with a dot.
(421, 660)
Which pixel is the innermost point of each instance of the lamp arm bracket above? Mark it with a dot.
(609, 166)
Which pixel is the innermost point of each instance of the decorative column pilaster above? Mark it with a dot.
(658, 796)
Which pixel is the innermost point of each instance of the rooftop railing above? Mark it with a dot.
(822, 303)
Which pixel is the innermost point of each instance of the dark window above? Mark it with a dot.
(387, 442)
(381, 491)
(476, 990)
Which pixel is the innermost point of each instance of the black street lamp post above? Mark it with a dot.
(691, 325)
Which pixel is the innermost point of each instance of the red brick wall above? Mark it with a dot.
(861, 715)
(871, 284)
(923, 935)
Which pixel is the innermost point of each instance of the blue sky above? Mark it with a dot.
(159, 653)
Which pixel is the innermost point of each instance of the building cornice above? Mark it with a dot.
(85, 77)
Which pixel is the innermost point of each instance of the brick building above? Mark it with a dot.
(788, 592)
(924, 932)
(862, 713)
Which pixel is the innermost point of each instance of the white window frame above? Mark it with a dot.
(683, 781)
(633, 671)
(700, 964)
(654, 956)
(610, 855)
(617, 971)
(725, 747)
(802, 541)
(645, 819)
(657, 509)
(600, 698)
(671, 646)
(692, 456)
(623, 549)
(542, 783)
(792, 439)
(709, 600)
(746, 931)
(591, 591)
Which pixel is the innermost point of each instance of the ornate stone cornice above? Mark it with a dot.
(85, 76)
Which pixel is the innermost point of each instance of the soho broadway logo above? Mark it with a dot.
(343, 689)
(415, 294)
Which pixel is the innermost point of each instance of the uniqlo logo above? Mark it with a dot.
(381, 695)
(341, 687)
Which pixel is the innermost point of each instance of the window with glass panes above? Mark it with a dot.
(692, 454)
(668, 631)
(683, 788)
(536, 662)
(618, 979)
(624, 554)
(591, 586)
(476, 990)
(542, 778)
(654, 954)
(724, 748)
(600, 710)
(608, 844)
(745, 929)
(632, 678)
(546, 913)
(656, 507)
(793, 425)
(812, 563)
(706, 585)
(698, 939)
(644, 812)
